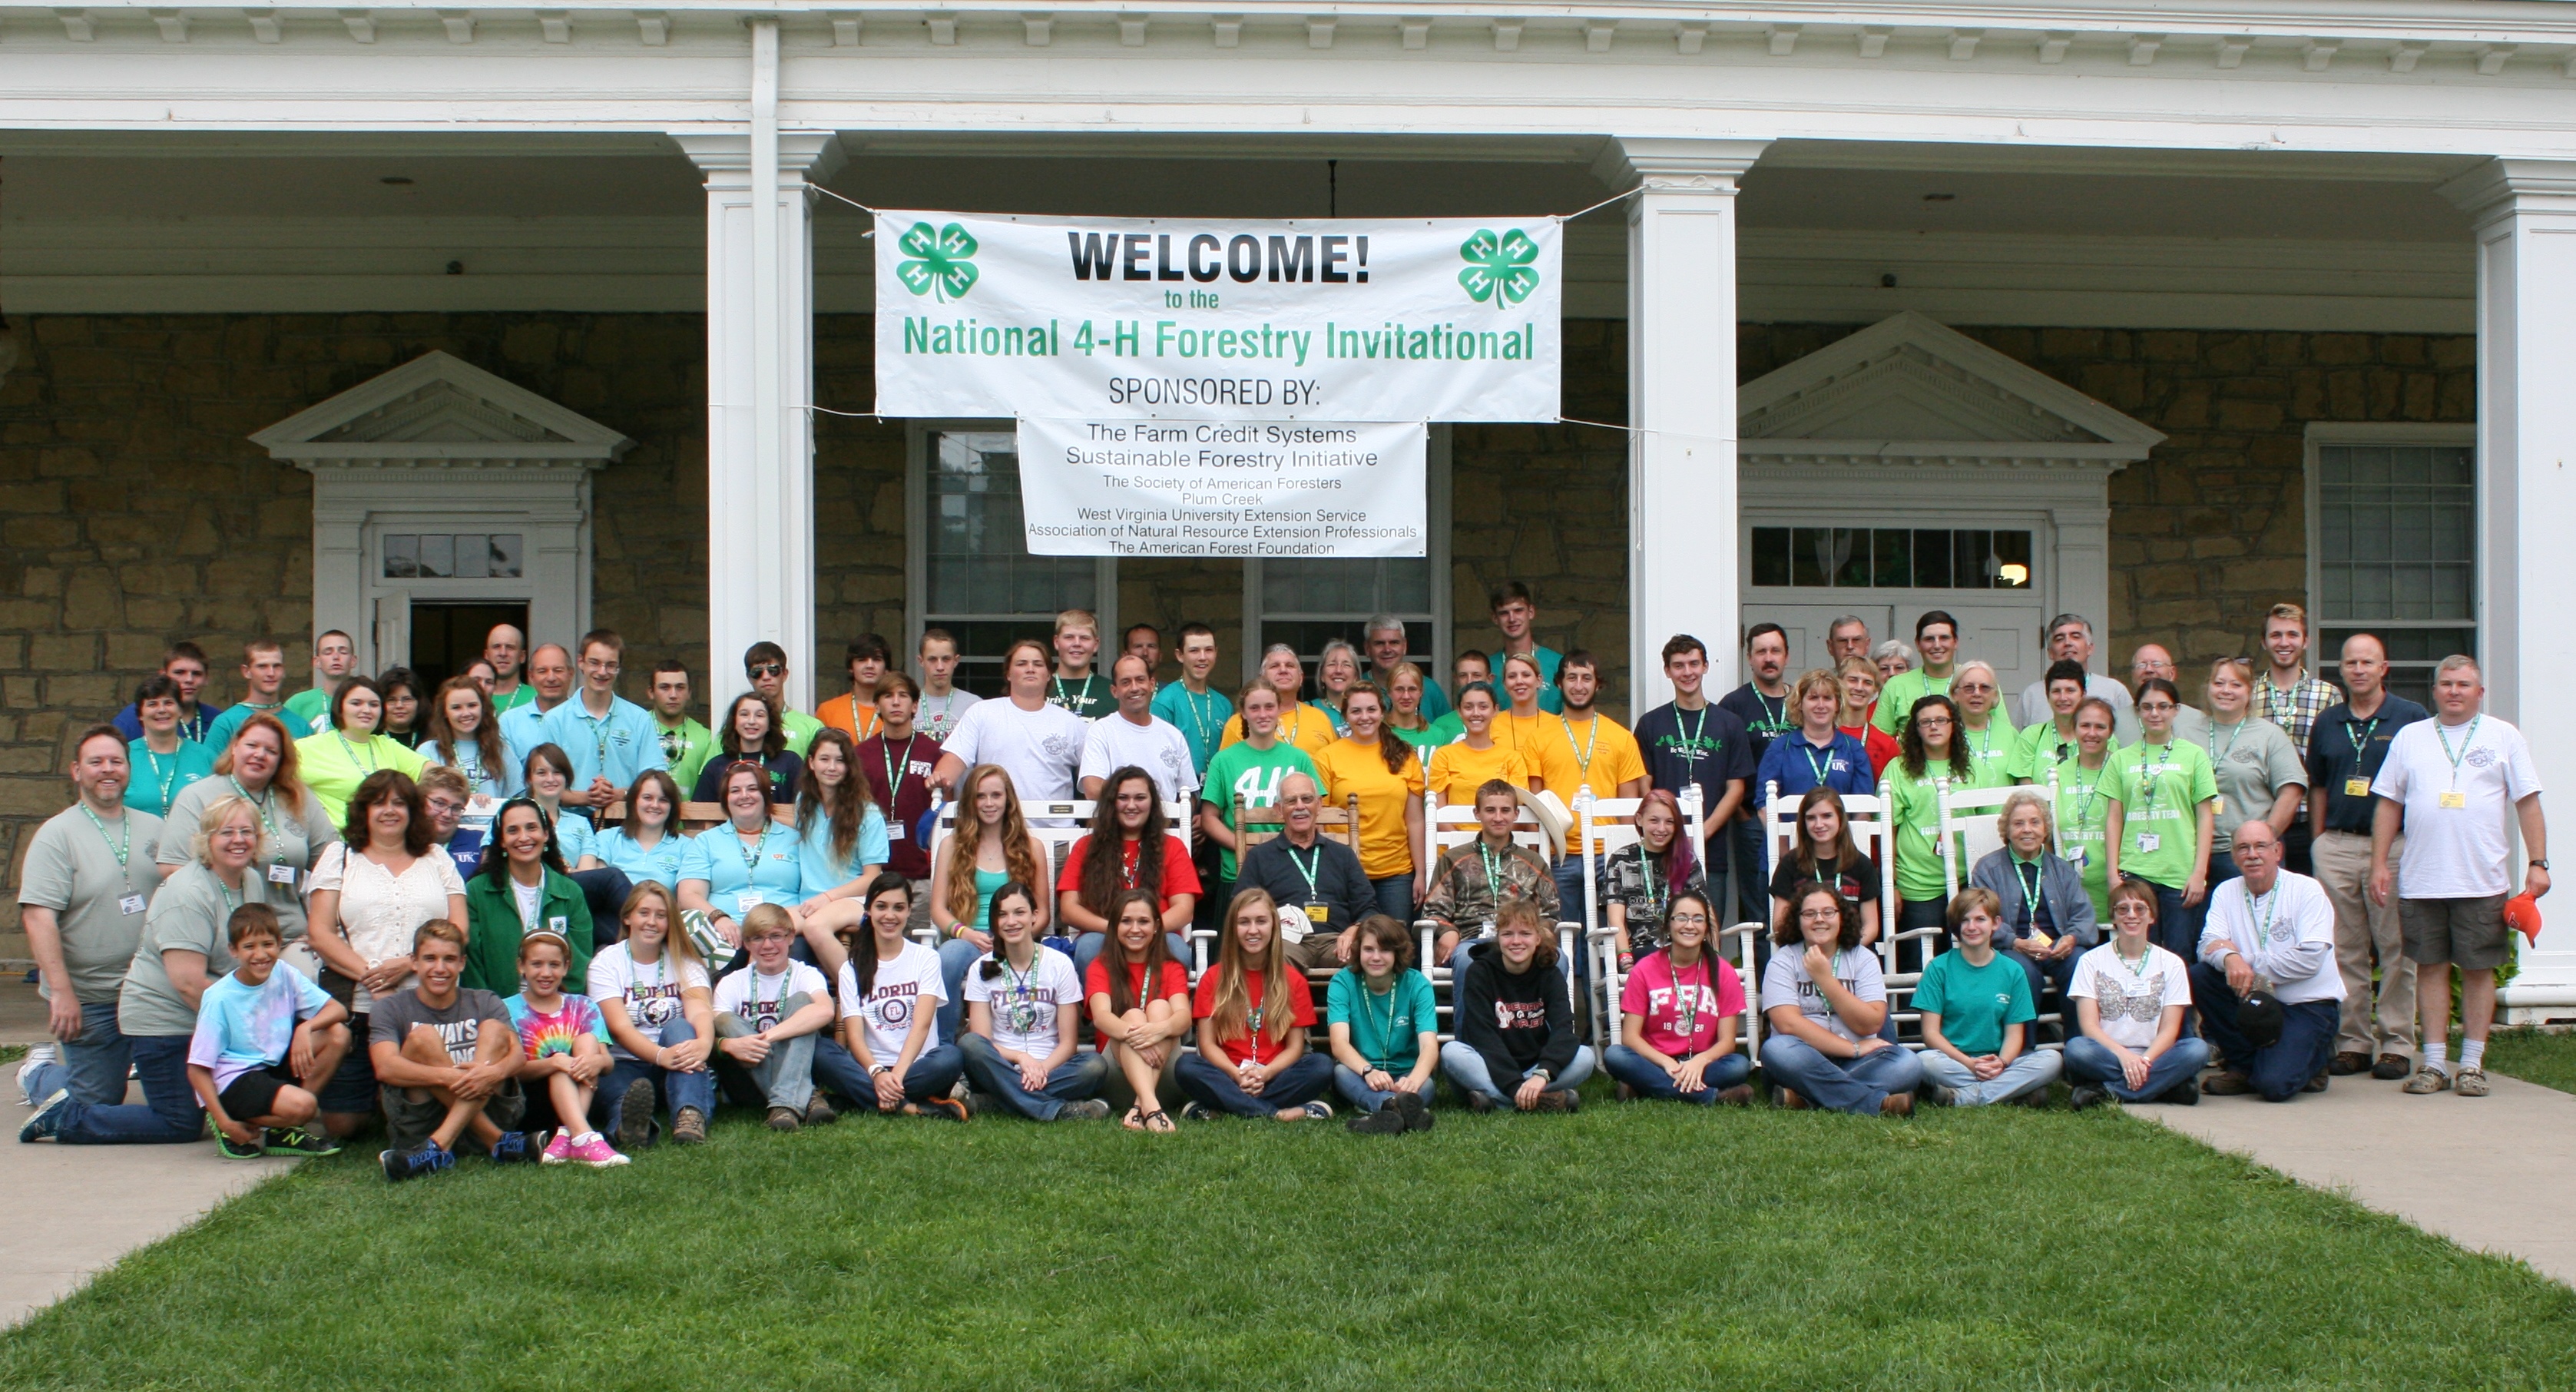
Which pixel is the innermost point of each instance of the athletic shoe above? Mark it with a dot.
(2348, 1062)
(231, 1149)
(1479, 1103)
(977, 1104)
(1940, 1096)
(1088, 1109)
(1198, 1111)
(595, 1151)
(1414, 1108)
(2426, 1081)
(1896, 1104)
(2315, 1084)
(689, 1127)
(1627, 1093)
(40, 1127)
(1788, 1100)
(295, 1140)
(784, 1119)
(510, 1148)
(2085, 1095)
(36, 1056)
(1558, 1100)
(819, 1112)
(2182, 1094)
(2227, 1084)
(1740, 1095)
(2470, 1082)
(1385, 1121)
(431, 1158)
(2391, 1067)
(945, 1108)
(1319, 1111)
(559, 1150)
(635, 1115)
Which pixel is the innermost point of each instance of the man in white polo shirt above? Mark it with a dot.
(2451, 782)
(2271, 933)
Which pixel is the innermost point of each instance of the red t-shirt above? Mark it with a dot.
(1881, 745)
(1179, 876)
(1272, 1037)
(1176, 980)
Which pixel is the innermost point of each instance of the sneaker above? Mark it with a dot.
(1558, 1100)
(559, 1150)
(2349, 1062)
(295, 1140)
(431, 1158)
(1479, 1103)
(1088, 1109)
(1939, 1096)
(2391, 1067)
(593, 1150)
(2085, 1095)
(1740, 1095)
(2426, 1080)
(2470, 1082)
(1318, 1111)
(689, 1127)
(977, 1104)
(2227, 1084)
(949, 1108)
(1788, 1100)
(37, 1056)
(1627, 1093)
(635, 1115)
(231, 1149)
(1414, 1108)
(1198, 1111)
(819, 1112)
(1385, 1121)
(40, 1127)
(2315, 1084)
(511, 1148)
(784, 1119)
(1896, 1104)
(2182, 1094)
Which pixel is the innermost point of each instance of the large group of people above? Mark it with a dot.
(523, 916)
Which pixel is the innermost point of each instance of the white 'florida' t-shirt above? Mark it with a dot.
(651, 994)
(905, 987)
(754, 995)
(1024, 1005)
(2456, 842)
(2133, 998)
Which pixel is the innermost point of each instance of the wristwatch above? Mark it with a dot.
(2540, 864)
(881, 1068)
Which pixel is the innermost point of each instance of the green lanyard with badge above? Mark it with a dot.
(1317, 912)
(896, 767)
(2453, 798)
(279, 872)
(2148, 778)
(2359, 784)
(122, 848)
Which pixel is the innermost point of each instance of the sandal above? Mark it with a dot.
(1134, 1120)
(1159, 1120)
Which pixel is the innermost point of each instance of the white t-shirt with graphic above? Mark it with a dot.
(2456, 814)
(754, 995)
(2133, 1001)
(1157, 746)
(1024, 1006)
(1040, 749)
(1785, 982)
(905, 986)
(650, 994)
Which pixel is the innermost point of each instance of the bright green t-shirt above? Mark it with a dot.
(2083, 813)
(1448, 729)
(1975, 1003)
(1254, 773)
(1385, 1029)
(1425, 738)
(685, 751)
(1896, 700)
(1914, 811)
(515, 697)
(2160, 789)
(1992, 749)
(2037, 747)
(308, 706)
(801, 729)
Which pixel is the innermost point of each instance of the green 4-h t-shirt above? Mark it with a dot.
(2160, 788)
(1254, 773)
(1975, 1003)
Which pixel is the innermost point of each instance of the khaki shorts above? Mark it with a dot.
(2467, 933)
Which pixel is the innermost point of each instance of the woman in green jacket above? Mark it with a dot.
(519, 890)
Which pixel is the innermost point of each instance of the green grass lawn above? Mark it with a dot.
(1639, 1246)
(2534, 1056)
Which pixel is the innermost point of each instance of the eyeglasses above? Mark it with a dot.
(1698, 918)
(770, 669)
(1820, 915)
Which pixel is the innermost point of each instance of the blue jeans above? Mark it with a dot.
(1646, 1078)
(2306, 1045)
(677, 1089)
(1213, 1085)
(2058, 972)
(1355, 1090)
(2177, 929)
(1467, 1072)
(168, 1115)
(955, 956)
(2222, 868)
(1086, 950)
(1752, 871)
(2087, 1061)
(786, 1077)
(1070, 1081)
(1855, 1085)
(605, 891)
(1395, 897)
(2028, 1072)
(931, 1075)
(96, 1064)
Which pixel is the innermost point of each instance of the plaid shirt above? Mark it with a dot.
(2295, 710)
(1463, 898)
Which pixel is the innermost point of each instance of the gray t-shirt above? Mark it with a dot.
(293, 841)
(189, 914)
(2253, 761)
(458, 1026)
(72, 870)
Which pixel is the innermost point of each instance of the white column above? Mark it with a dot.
(760, 378)
(1683, 536)
(2525, 215)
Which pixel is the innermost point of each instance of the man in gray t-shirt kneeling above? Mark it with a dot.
(448, 1060)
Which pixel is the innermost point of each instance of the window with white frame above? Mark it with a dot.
(1308, 603)
(2395, 548)
(978, 580)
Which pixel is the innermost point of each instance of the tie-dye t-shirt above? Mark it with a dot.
(241, 1027)
(543, 1034)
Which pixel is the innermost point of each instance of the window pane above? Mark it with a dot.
(402, 557)
(1892, 557)
(1771, 555)
(505, 555)
(2397, 538)
(1851, 557)
(1931, 560)
(2012, 552)
(1809, 545)
(437, 556)
(473, 557)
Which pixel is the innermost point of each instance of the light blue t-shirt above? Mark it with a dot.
(617, 746)
(498, 783)
(661, 864)
(160, 778)
(775, 872)
(1200, 719)
(573, 835)
(241, 1027)
(814, 850)
(523, 729)
(219, 735)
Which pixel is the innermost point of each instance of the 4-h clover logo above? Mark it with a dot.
(941, 261)
(1498, 267)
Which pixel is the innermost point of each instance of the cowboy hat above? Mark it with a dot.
(1553, 820)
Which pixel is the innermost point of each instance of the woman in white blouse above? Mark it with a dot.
(365, 905)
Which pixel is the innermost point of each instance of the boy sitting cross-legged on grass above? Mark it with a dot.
(563, 1045)
(448, 1060)
(266, 1039)
(766, 1018)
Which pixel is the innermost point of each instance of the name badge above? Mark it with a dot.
(751, 899)
(1319, 913)
(895, 832)
(281, 874)
(132, 903)
(558, 924)
(2356, 787)
(2078, 856)
(2149, 841)
(2455, 799)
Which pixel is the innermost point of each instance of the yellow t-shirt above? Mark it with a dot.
(1458, 771)
(1309, 727)
(1348, 767)
(1613, 759)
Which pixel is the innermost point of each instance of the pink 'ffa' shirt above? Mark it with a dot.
(1652, 993)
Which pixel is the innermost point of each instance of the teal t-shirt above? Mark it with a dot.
(219, 735)
(1386, 1028)
(1200, 719)
(1254, 773)
(1975, 1003)
(159, 778)
(2160, 788)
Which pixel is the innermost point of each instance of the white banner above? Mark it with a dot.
(1343, 320)
(1136, 486)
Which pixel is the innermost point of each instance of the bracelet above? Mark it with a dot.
(660, 1052)
(880, 1069)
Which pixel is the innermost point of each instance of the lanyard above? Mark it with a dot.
(896, 768)
(164, 780)
(232, 901)
(1315, 863)
(1198, 714)
(599, 735)
(1023, 991)
(1493, 870)
(1686, 1000)
(1985, 748)
(2271, 903)
(1771, 719)
(661, 972)
(2282, 706)
(124, 845)
(784, 978)
(2361, 742)
(2465, 741)
(1368, 1007)
(193, 729)
(1076, 705)
(1654, 886)
(2147, 776)
(352, 750)
(750, 854)
(2026, 874)
(1822, 768)
(2235, 732)
(1691, 751)
(1591, 742)
(2139, 971)
(277, 850)
(1289, 733)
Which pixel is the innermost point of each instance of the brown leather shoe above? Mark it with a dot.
(2229, 1084)
(1896, 1104)
(2391, 1068)
(2315, 1084)
(2349, 1062)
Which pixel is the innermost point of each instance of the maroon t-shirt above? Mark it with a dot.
(903, 771)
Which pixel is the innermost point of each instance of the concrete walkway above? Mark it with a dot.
(2489, 1173)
